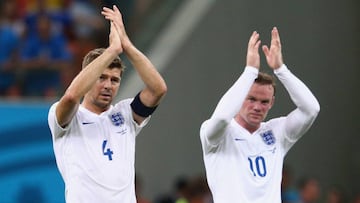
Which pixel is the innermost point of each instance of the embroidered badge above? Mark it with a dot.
(268, 137)
(117, 119)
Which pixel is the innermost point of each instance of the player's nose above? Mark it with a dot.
(107, 83)
(257, 106)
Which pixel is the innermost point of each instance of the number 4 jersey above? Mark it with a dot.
(95, 154)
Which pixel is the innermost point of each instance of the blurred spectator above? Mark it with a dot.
(33, 5)
(335, 195)
(59, 15)
(356, 199)
(178, 194)
(181, 190)
(309, 190)
(44, 59)
(138, 190)
(41, 66)
(188, 190)
(88, 29)
(21, 6)
(199, 191)
(11, 30)
(289, 193)
(88, 22)
(164, 199)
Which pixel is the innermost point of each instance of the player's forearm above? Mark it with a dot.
(299, 93)
(231, 102)
(152, 79)
(229, 105)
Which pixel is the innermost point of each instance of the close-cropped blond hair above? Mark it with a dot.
(266, 79)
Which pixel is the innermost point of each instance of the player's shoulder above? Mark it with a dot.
(122, 102)
(274, 122)
(122, 107)
(52, 108)
(54, 104)
(273, 127)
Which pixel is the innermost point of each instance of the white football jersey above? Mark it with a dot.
(246, 167)
(95, 154)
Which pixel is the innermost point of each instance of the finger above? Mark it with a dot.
(106, 12)
(107, 17)
(275, 35)
(116, 9)
(265, 50)
(106, 9)
(112, 32)
(254, 38)
(257, 45)
(111, 14)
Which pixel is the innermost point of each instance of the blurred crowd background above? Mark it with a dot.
(43, 41)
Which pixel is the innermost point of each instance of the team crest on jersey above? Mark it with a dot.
(268, 137)
(117, 119)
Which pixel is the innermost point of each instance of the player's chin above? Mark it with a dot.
(105, 101)
(256, 120)
(106, 98)
(256, 116)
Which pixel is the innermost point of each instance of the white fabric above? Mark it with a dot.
(242, 167)
(81, 154)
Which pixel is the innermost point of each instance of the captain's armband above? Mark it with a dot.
(140, 109)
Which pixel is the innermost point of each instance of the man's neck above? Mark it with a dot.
(93, 108)
(250, 128)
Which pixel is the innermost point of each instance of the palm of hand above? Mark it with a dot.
(274, 57)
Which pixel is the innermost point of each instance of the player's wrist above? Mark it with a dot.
(281, 69)
(251, 69)
(114, 50)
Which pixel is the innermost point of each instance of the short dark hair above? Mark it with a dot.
(266, 79)
(93, 54)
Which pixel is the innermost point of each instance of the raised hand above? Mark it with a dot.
(114, 38)
(253, 57)
(115, 16)
(273, 54)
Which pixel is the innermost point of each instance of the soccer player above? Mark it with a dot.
(244, 155)
(94, 141)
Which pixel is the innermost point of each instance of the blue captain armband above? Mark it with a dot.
(140, 109)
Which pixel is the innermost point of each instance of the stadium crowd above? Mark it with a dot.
(43, 41)
(305, 189)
